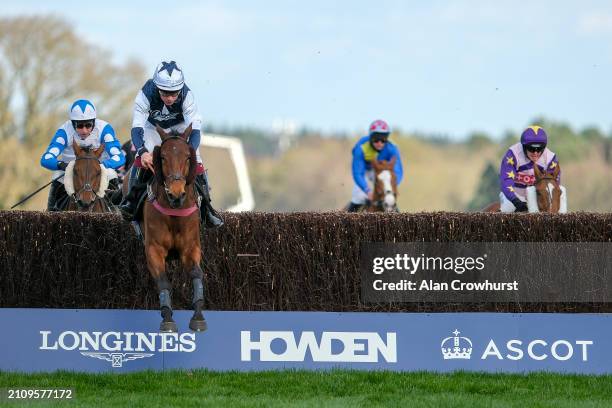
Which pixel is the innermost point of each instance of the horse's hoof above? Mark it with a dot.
(168, 327)
(198, 325)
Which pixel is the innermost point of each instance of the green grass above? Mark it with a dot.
(316, 389)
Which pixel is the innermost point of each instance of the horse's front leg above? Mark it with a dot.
(191, 263)
(156, 261)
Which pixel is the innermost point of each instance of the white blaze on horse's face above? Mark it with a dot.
(546, 200)
(385, 177)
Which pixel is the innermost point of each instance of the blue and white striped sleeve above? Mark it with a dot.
(56, 147)
(112, 147)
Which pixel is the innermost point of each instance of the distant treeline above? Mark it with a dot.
(566, 141)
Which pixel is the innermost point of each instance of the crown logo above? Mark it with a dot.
(461, 347)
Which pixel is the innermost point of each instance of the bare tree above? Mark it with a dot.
(7, 87)
(51, 67)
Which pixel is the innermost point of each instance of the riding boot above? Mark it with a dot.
(352, 207)
(208, 215)
(53, 194)
(130, 201)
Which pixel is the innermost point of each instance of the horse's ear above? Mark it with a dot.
(187, 132)
(98, 152)
(161, 132)
(77, 149)
(556, 171)
(376, 164)
(536, 171)
(193, 165)
(157, 165)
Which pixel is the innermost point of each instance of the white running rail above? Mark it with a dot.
(246, 202)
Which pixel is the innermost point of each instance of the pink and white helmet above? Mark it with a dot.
(379, 126)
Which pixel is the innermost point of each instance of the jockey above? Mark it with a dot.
(165, 100)
(86, 130)
(516, 172)
(374, 146)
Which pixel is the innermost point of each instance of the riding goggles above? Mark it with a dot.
(168, 93)
(379, 137)
(535, 148)
(88, 124)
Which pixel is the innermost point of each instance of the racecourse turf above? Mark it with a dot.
(317, 389)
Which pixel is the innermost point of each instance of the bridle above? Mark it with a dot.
(549, 191)
(86, 188)
(170, 177)
(380, 203)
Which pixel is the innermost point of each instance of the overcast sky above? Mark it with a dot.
(448, 67)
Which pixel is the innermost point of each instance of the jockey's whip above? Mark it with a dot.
(36, 192)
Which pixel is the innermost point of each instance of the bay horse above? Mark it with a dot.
(546, 195)
(385, 186)
(171, 223)
(86, 180)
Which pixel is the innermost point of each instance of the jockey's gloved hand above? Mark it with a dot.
(521, 206)
(62, 165)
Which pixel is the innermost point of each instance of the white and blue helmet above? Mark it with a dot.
(168, 76)
(82, 109)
